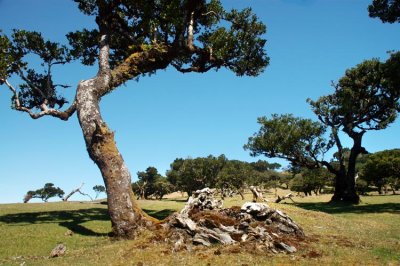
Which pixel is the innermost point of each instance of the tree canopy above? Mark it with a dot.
(386, 10)
(45, 193)
(366, 98)
(382, 168)
(131, 39)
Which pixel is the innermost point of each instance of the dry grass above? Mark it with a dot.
(367, 234)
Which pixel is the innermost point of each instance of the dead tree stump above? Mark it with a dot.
(203, 221)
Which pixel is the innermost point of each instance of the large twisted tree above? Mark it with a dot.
(365, 99)
(132, 38)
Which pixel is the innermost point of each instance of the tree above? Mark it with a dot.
(366, 98)
(45, 193)
(310, 180)
(234, 175)
(151, 184)
(386, 10)
(192, 174)
(383, 168)
(162, 187)
(131, 39)
(99, 189)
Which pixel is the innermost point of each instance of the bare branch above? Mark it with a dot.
(45, 111)
(104, 55)
(210, 12)
(190, 32)
(77, 190)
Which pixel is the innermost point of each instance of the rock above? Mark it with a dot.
(254, 208)
(285, 247)
(58, 251)
(69, 233)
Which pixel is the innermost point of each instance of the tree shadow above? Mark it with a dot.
(71, 219)
(336, 208)
(160, 215)
(176, 200)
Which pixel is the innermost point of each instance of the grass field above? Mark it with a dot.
(367, 234)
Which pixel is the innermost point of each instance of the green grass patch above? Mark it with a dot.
(365, 234)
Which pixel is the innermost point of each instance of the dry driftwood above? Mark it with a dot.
(203, 222)
(77, 190)
(288, 196)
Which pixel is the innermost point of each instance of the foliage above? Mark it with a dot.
(151, 184)
(234, 176)
(285, 136)
(383, 168)
(45, 193)
(99, 189)
(386, 10)
(192, 174)
(365, 98)
(311, 180)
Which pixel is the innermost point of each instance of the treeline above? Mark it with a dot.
(376, 172)
(49, 190)
(191, 174)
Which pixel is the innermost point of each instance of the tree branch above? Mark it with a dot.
(141, 62)
(45, 111)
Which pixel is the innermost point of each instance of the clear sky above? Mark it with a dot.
(170, 115)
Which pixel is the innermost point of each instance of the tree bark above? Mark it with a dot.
(126, 216)
(345, 190)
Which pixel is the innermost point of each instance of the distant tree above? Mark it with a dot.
(234, 176)
(366, 98)
(45, 193)
(362, 186)
(284, 179)
(298, 184)
(162, 187)
(128, 39)
(263, 166)
(98, 189)
(151, 185)
(146, 182)
(383, 169)
(310, 180)
(192, 174)
(386, 10)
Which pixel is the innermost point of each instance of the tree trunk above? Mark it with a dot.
(125, 215)
(345, 190)
(241, 194)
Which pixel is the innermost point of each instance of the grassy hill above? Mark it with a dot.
(367, 234)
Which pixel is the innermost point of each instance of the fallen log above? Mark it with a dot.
(288, 196)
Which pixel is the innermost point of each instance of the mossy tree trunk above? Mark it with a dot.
(125, 215)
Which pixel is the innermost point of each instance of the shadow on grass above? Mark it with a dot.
(71, 219)
(334, 208)
(160, 215)
(176, 200)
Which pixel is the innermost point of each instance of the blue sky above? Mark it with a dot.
(170, 115)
